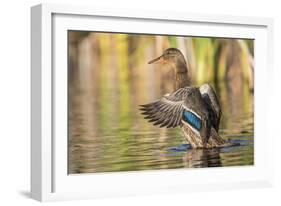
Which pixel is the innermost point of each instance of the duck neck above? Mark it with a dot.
(181, 79)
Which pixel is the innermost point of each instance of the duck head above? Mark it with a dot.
(172, 57)
(175, 59)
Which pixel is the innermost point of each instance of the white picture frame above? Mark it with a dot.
(49, 179)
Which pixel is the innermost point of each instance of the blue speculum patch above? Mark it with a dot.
(192, 119)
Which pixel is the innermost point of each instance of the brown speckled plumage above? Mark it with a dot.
(195, 110)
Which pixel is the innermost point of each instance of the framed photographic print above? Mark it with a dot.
(135, 102)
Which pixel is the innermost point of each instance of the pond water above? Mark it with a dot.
(107, 133)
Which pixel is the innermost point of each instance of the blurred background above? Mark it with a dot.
(109, 77)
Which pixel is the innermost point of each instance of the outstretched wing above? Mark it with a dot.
(182, 107)
(167, 111)
(212, 104)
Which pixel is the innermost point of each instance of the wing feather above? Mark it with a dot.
(166, 111)
(212, 104)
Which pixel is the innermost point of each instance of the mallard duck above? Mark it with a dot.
(195, 109)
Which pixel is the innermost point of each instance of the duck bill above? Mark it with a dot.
(157, 60)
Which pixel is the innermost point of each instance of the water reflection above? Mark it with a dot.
(197, 158)
(109, 77)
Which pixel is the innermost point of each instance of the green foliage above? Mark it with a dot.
(173, 41)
